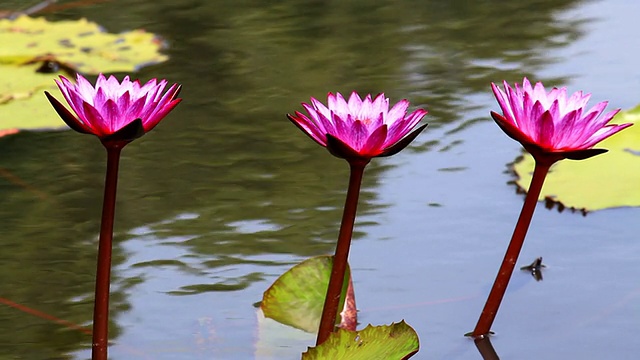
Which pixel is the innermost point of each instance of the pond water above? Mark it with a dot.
(225, 194)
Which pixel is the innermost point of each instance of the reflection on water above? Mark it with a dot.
(486, 348)
(245, 193)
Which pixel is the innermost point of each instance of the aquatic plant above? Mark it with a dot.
(356, 130)
(117, 113)
(551, 127)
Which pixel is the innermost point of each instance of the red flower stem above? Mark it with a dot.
(336, 282)
(103, 273)
(508, 264)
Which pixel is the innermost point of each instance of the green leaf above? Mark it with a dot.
(296, 298)
(387, 342)
(605, 181)
(23, 106)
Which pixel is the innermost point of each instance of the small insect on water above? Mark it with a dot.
(535, 268)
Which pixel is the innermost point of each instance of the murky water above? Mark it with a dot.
(226, 194)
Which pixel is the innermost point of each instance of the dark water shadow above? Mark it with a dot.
(486, 348)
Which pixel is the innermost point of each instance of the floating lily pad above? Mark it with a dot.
(296, 298)
(388, 342)
(605, 181)
(81, 43)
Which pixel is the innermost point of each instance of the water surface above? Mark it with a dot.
(226, 194)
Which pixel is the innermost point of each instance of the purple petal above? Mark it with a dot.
(318, 106)
(302, 123)
(604, 133)
(545, 130)
(374, 145)
(503, 100)
(359, 136)
(397, 112)
(355, 103)
(95, 121)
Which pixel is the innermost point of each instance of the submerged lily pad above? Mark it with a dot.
(35, 51)
(605, 181)
(387, 342)
(296, 298)
(278, 341)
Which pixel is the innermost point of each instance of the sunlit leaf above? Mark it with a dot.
(296, 298)
(604, 181)
(387, 342)
(23, 105)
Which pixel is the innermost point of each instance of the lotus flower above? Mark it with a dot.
(114, 110)
(359, 128)
(117, 113)
(551, 123)
(551, 127)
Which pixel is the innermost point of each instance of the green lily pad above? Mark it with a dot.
(296, 298)
(605, 181)
(24, 106)
(387, 342)
(80, 43)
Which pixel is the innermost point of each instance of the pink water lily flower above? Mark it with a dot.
(551, 123)
(359, 128)
(112, 109)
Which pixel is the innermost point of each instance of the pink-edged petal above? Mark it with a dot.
(502, 98)
(339, 148)
(152, 112)
(66, 115)
(565, 131)
(310, 131)
(342, 129)
(400, 128)
(308, 123)
(366, 111)
(134, 110)
(604, 133)
(374, 144)
(397, 112)
(358, 136)
(375, 121)
(97, 124)
(531, 123)
(111, 116)
(68, 90)
(153, 121)
(319, 107)
(546, 130)
(354, 104)
(403, 143)
(511, 130)
(85, 89)
(592, 119)
(339, 105)
(380, 104)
